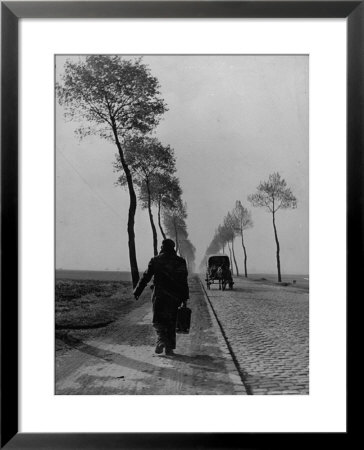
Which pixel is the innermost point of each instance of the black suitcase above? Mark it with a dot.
(183, 320)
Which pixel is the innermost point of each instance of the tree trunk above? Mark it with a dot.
(231, 260)
(232, 249)
(245, 256)
(223, 249)
(131, 215)
(154, 231)
(160, 222)
(277, 254)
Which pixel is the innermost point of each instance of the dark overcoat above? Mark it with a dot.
(170, 287)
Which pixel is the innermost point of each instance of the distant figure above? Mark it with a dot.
(224, 276)
(213, 271)
(170, 290)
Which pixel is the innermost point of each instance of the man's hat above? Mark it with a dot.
(168, 244)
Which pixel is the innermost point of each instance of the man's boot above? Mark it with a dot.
(159, 347)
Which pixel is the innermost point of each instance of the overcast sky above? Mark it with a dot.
(232, 121)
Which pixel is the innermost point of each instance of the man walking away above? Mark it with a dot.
(170, 290)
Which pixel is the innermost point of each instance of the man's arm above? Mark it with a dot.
(144, 280)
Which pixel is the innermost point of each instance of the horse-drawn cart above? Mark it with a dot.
(218, 269)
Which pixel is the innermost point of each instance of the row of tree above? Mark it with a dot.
(153, 168)
(272, 195)
(119, 100)
(234, 224)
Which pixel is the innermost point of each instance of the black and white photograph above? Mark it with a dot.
(181, 224)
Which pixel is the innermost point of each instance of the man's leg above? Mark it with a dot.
(159, 324)
(161, 337)
(171, 333)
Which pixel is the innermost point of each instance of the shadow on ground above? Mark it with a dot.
(203, 363)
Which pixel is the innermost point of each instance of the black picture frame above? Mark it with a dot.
(11, 12)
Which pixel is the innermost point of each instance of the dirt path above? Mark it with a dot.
(121, 359)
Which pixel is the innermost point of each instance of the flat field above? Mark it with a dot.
(84, 307)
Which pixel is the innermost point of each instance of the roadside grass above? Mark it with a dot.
(298, 284)
(88, 304)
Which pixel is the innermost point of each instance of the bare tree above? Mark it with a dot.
(166, 191)
(244, 221)
(231, 225)
(113, 97)
(174, 221)
(148, 160)
(215, 244)
(223, 237)
(274, 195)
(187, 251)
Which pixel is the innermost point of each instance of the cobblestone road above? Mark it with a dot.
(267, 328)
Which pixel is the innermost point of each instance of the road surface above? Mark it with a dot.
(121, 359)
(252, 340)
(266, 327)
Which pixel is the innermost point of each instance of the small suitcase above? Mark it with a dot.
(183, 320)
